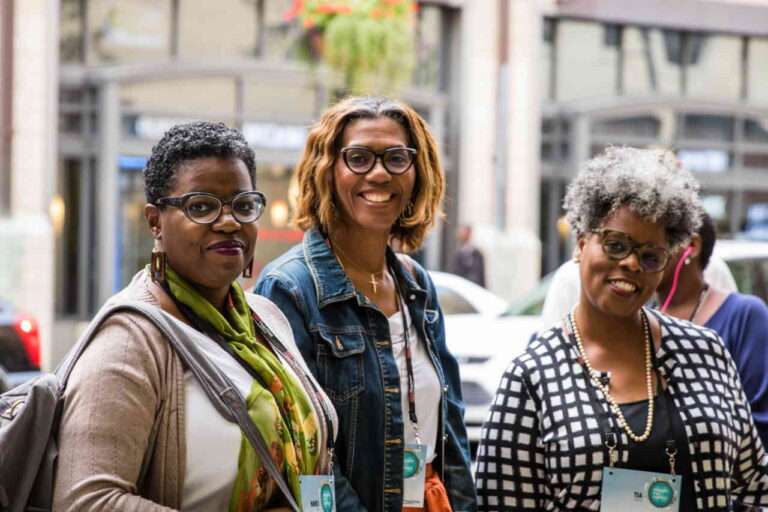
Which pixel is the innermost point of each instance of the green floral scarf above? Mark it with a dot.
(282, 412)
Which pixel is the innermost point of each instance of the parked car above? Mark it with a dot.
(485, 342)
(19, 344)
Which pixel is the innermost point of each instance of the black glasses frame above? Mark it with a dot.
(181, 201)
(378, 156)
(632, 247)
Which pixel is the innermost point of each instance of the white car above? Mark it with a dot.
(484, 336)
(485, 341)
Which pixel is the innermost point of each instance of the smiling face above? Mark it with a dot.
(209, 256)
(372, 202)
(619, 287)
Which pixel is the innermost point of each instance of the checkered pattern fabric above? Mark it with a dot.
(542, 445)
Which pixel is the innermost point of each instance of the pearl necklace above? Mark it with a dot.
(604, 388)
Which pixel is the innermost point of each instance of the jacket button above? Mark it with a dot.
(445, 389)
(411, 297)
(445, 437)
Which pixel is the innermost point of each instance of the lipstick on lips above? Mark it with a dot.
(228, 248)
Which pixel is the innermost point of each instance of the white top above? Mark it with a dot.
(213, 443)
(426, 382)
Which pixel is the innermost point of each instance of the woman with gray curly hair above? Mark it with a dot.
(617, 405)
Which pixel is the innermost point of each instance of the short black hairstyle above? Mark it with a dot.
(708, 235)
(190, 141)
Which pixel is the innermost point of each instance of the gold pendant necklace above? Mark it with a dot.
(373, 281)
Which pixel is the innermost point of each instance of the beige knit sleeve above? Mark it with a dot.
(111, 415)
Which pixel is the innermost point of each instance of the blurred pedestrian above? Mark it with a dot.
(468, 262)
(618, 402)
(740, 320)
(367, 321)
(137, 430)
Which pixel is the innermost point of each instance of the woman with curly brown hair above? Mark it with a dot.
(367, 321)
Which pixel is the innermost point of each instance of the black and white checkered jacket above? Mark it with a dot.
(542, 447)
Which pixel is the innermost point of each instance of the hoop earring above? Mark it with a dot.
(157, 265)
(248, 270)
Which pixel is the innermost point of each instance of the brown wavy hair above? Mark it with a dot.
(315, 203)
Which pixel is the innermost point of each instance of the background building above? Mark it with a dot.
(518, 92)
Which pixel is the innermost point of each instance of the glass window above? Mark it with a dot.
(547, 57)
(129, 30)
(649, 66)
(756, 130)
(580, 46)
(134, 239)
(757, 70)
(707, 127)
(452, 303)
(209, 30)
(281, 38)
(714, 67)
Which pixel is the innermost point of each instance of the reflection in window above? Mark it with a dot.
(707, 127)
(637, 126)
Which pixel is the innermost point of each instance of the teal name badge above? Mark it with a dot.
(317, 493)
(414, 468)
(639, 491)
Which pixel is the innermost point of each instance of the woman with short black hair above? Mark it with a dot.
(137, 430)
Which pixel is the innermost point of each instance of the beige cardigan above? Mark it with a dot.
(122, 434)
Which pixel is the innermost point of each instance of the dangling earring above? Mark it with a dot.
(576, 255)
(688, 261)
(407, 212)
(157, 266)
(248, 270)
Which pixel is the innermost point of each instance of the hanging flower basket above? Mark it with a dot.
(369, 42)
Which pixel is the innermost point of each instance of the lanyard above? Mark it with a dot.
(408, 361)
(610, 435)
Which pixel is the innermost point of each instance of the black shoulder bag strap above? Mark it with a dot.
(217, 386)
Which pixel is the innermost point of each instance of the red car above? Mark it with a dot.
(19, 345)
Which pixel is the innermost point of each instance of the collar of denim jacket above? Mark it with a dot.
(331, 282)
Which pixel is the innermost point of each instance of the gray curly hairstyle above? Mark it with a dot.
(651, 182)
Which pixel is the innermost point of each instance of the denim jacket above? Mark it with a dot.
(345, 341)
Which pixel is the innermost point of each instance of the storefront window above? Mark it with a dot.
(707, 127)
(429, 45)
(631, 126)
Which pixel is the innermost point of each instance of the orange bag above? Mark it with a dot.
(435, 495)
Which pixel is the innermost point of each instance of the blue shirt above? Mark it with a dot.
(742, 323)
(345, 341)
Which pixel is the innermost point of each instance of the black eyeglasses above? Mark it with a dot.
(618, 245)
(205, 208)
(361, 160)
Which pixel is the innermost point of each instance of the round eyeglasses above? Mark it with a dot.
(205, 208)
(362, 160)
(618, 245)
